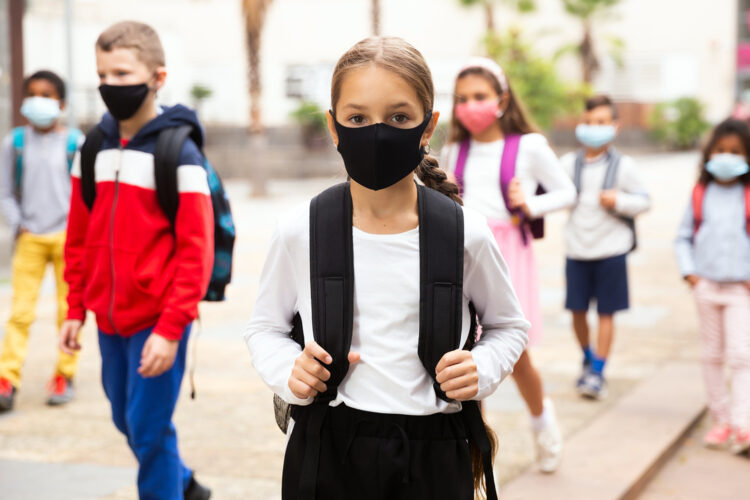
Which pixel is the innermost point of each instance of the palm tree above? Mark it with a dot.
(587, 11)
(489, 9)
(254, 12)
(376, 17)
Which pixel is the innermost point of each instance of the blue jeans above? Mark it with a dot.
(142, 410)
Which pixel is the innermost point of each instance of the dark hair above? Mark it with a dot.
(602, 100)
(51, 77)
(513, 121)
(728, 127)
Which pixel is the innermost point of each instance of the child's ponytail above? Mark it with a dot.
(432, 176)
(477, 464)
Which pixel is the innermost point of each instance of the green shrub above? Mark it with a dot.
(535, 80)
(680, 124)
(310, 117)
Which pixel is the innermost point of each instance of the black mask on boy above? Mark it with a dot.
(378, 156)
(123, 100)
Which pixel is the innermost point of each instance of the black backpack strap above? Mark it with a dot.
(89, 150)
(332, 278)
(441, 256)
(166, 160)
(332, 290)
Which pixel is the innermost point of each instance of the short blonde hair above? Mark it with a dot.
(137, 36)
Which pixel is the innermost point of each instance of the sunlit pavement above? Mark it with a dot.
(228, 433)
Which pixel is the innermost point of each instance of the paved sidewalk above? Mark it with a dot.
(228, 433)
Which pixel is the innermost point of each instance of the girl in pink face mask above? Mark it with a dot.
(489, 128)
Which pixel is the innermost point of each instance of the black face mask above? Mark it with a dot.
(123, 100)
(379, 155)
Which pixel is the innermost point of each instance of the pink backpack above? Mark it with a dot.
(507, 172)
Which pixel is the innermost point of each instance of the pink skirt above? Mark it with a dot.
(523, 272)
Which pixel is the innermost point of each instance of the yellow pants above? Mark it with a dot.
(32, 254)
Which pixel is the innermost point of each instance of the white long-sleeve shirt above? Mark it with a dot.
(389, 378)
(536, 164)
(593, 232)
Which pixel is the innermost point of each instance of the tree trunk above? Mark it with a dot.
(589, 61)
(255, 15)
(489, 14)
(376, 17)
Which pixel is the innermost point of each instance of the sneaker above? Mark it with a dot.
(7, 394)
(718, 436)
(741, 444)
(196, 491)
(60, 390)
(548, 441)
(582, 378)
(594, 386)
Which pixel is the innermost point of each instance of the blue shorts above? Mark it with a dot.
(605, 280)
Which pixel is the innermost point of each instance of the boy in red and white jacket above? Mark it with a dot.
(125, 261)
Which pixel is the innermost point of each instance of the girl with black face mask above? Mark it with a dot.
(382, 296)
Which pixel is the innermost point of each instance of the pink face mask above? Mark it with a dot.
(476, 116)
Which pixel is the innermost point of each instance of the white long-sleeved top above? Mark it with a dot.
(389, 378)
(536, 164)
(593, 232)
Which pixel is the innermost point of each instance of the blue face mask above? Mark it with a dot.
(595, 136)
(727, 167)
(41, 111)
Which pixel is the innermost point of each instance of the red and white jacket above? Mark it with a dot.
(122, 259)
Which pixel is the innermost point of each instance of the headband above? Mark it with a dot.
(491, 66)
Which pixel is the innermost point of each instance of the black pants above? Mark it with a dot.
(373, 456)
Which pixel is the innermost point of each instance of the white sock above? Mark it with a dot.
(538, 423)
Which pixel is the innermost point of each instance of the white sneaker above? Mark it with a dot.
(549, 443)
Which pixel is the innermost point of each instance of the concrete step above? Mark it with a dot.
(698, 473)
(617, 453)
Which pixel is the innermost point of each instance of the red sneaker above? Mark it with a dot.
(60, 390)
(718, 436)
(741, 442)
(7, 394)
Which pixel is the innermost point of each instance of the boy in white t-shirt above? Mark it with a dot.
(599, 235)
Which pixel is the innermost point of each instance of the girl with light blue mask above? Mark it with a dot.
(713, 252)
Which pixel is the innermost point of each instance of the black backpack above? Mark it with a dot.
(166, 160)
(610, 179)
(441, 244)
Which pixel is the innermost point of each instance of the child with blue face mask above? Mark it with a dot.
(599, 235)
(713, 252)
(35, 189)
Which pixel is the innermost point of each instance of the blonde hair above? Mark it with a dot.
(399, 57)
(137, 36)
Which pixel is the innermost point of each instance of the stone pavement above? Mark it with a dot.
(228, 433)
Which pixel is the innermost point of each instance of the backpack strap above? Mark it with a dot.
(441, 262)
(613, 166)
(332, 291)
(89, 150)
(578, 169)
(747, 208)
(699, 192)
(508, 166)
(166, 160)
(463, 153)
(71, 148)
(332, 279)
(441, 256)
(19, 134)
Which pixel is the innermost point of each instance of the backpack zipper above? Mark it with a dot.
(112, 241)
